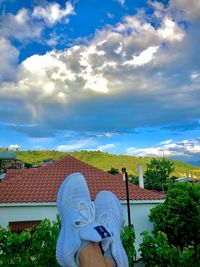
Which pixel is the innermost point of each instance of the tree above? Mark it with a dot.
(158, 173)
(134, 179)
(175, 239)
(113, 171)
(179, 215)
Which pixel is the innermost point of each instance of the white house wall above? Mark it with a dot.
(25, 213)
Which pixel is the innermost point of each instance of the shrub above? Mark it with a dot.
(156, 251)
(179, 215)
(30, 249)
(128, 239)
(37, 249)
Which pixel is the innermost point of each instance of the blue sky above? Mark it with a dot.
(118, 76)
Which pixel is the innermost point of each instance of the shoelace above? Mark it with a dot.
(87, 214)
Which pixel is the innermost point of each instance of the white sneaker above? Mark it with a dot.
(78, 220)
(109, 213)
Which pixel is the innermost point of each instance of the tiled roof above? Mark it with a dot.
(42, 184)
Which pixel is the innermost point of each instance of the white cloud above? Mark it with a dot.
(188, 9)
(186, 148)
(29, 25)
(75, 146)
(108, 134)
(14, 147)
(145, 57)
(195, 76)
(20, 26)
(104, 147)
(9, 58)
(167, 142)
(53, 12)
(95, 86)
(170, 30)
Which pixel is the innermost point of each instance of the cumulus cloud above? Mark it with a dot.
(186, 9)
(9, 59)
(168, 148)
(53, 13)
(19, 26)
(29, 24)
(129, 75)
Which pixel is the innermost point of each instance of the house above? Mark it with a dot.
(187, 179)
(28, 196)
(14, 164)
(47, 161)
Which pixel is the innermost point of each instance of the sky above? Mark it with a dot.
(119, 76)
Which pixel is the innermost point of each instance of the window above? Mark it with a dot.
(18, 227)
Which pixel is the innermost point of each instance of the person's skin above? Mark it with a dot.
(91, 256)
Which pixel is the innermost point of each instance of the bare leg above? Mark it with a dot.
(91, 256)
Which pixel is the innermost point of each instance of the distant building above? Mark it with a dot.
(47, 161)
(14, 164)
(187, 179)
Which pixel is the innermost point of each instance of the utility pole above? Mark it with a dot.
(125, 178)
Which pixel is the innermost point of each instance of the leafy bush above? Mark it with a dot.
(179, 215)
(134, 179)
(113, 171)
(128, 239)
(37, 249)
(30, 249)
(176, 235)
(156, 251)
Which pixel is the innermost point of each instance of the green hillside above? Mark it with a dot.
(105, 161)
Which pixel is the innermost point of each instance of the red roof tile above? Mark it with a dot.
(42, 184)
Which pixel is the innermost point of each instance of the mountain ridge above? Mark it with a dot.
(105, 161)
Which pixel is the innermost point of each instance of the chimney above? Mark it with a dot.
(141, 180)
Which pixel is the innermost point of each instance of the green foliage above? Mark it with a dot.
(176, 235)
(157, 174)
(28, 165)
(134, 180)
(30, 249)
(156, 251)
(179, 215)
(113, 171)
(128, 239)
(37, 249)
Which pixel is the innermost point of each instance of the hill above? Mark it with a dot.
(105, 161)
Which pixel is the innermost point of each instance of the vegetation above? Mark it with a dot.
(113, 171)
(157, 174)
(175, 240)
(128, 239)
(157, 251)
(35, 249)
(179, 215)
(38, 248)
(105, 161)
